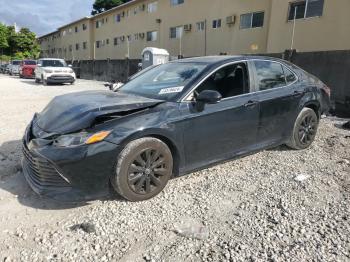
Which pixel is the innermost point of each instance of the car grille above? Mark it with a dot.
(42, 173)
(60, 76)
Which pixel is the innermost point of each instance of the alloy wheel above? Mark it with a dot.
(148, 171)
(307, 129)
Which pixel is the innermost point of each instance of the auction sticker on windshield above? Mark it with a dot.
(171, 90)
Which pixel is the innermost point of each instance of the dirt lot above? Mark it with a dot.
(277, 205)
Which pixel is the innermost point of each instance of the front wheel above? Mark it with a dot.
(305, 129)
(44, 82)
(143, 169)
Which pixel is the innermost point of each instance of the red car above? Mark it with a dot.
(27, 68)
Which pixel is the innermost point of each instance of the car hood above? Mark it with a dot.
(73, 112)
(65, 68)
(28, 66)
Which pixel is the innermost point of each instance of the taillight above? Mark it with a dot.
(327, 90)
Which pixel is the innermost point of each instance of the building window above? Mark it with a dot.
(98, 44)
(99, 23)
(76, 29)
(200, 26)
(136, 37)
(84, 27)
(107, 41)
(84, 45)
(176, 2)
(116, 40)
(305, 9)
(252, 20)
(70, 30)
(152, 7)
(64, 33)
(152, 36)
(217, 23)
(117, 18)
(76, 46)
(176, 32)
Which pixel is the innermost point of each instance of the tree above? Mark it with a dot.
(3, 36)
(103, 5)
(3, 41)
(19, 45)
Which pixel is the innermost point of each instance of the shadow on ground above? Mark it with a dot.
(12, 181)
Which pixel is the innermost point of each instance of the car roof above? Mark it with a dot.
(223, 59)
(51, 59)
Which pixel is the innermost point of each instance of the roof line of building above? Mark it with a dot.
(91, 17)
(76, 21)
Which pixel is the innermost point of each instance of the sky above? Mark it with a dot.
(43, 16)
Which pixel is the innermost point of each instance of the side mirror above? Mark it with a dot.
(209, 97)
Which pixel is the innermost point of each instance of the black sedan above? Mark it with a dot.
(168, 121)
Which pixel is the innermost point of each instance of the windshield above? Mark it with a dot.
(53, 63)
(16, 62)
(29, 62)
(163, 82)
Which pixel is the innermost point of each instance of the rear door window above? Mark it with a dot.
(269, 75)
(290, 76)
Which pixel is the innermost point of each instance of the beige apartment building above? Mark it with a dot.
(203, 27)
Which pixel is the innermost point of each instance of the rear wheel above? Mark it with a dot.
(37, 80)
(143, 169)
(305, 129)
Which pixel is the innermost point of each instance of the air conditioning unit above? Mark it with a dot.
(188, 27)
(231, 20)
(142, 35)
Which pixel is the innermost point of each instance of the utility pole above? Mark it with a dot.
(293, 32)
(181, 30)
(205, 37)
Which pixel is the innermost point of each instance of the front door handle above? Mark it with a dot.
(298, 93)
(251, 103)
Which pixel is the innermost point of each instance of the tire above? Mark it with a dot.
(45, 83)
(305, 130)
(150, 176)
(37, 80)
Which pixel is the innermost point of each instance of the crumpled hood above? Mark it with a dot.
(76, 111)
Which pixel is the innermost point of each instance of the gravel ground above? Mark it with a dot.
(277, 205)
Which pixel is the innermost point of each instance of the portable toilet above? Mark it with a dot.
(154, 56)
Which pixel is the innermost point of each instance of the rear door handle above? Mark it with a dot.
(251, 103)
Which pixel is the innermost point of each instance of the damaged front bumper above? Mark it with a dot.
(74, 174)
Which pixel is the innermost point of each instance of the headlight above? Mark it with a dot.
(70, 71)
(48, 71)
(80, 139)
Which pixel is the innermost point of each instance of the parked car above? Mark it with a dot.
(14, 67)
(26, 69)
(3, 68)
(54, 70)
(171, 120)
